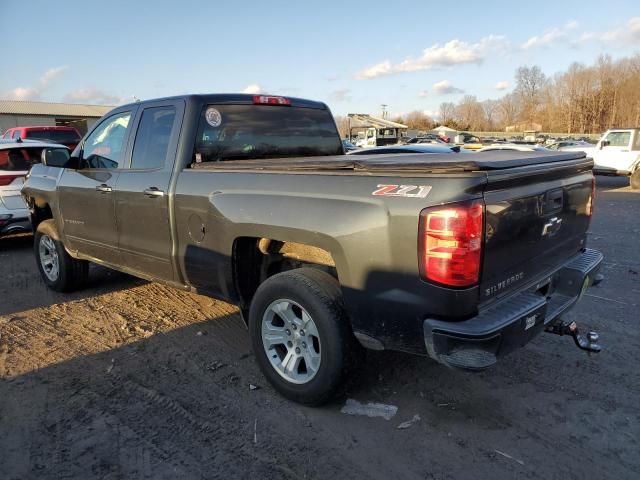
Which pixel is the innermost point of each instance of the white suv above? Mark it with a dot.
(16, 159)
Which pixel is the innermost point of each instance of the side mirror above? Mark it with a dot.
(604, 143)
(55, 157)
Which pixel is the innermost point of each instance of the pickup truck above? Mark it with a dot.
(617, 153)
(250, 199)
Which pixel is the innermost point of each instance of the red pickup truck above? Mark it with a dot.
(67, 136)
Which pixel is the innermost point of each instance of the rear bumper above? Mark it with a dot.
(478, 342)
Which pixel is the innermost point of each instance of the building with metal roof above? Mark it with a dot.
(18, 113)
(368, 131)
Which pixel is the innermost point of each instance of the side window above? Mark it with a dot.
(105, 146)
(152, 137)
(15, 134)
(619, 139)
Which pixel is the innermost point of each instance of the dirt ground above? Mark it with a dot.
(129, 379)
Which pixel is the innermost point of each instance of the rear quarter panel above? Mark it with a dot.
(373, 239)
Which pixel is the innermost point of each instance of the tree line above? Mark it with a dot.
(582, 99)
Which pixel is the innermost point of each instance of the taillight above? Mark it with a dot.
(450, 243)
(270, 100)
(7, 179)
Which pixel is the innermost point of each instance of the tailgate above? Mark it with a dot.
(537, 217)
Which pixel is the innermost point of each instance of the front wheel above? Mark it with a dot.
(59, 271)
(301, 335)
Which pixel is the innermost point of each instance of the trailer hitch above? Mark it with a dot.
(588, 342)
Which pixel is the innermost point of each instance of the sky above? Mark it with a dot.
(355, 56)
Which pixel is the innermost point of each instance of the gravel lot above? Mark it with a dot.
(129, 379)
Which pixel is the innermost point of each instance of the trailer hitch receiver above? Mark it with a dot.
(588, 342)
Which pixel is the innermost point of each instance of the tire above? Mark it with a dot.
(634, 180)
(59, 271)
(283, 307)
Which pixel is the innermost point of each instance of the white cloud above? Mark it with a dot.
(50, 75)
(571, 25)
(331, 78)
(430, 113)
(253, 88)
(22, 93)
(378, 70)
(627, 34)
(93, 95)
(35, 93)
(552, 36)
(445, 88)
(340, 95)
(503, 85)
(454, 52)
(423, 94)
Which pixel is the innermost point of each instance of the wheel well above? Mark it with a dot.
(40, 211)
(255, 259)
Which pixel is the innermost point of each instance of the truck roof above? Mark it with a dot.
(230, 98)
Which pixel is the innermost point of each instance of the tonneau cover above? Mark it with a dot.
(469, 162)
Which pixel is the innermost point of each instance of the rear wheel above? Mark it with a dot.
(634, 181)
(58, 269)
(301, 335)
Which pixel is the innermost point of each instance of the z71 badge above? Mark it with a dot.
(409, 191)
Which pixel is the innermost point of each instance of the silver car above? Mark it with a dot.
(16, 159)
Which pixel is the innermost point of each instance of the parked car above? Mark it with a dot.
(468, 141)
(564, 144)
(67, 136)
(429, 138)
(616, 153)
(348, 146)
(16, 158)
(409, 148)
(513, 146)
(251, 200)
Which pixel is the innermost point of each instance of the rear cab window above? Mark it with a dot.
(244, 132)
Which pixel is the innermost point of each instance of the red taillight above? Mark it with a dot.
(270, 100)
(450, 243)
(7, 179)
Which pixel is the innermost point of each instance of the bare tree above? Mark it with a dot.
(418, 120)
(509, 109)
(529, 83)
(490, 111)
(447, 112)
(469, 113)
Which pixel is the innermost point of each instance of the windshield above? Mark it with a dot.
(60, 136)
(242, 132)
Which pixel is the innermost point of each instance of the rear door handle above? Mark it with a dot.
(104, 188)
(153, 192)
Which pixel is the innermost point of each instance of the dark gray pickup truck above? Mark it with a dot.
(250, 199)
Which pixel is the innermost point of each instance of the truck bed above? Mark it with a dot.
(392, 163)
